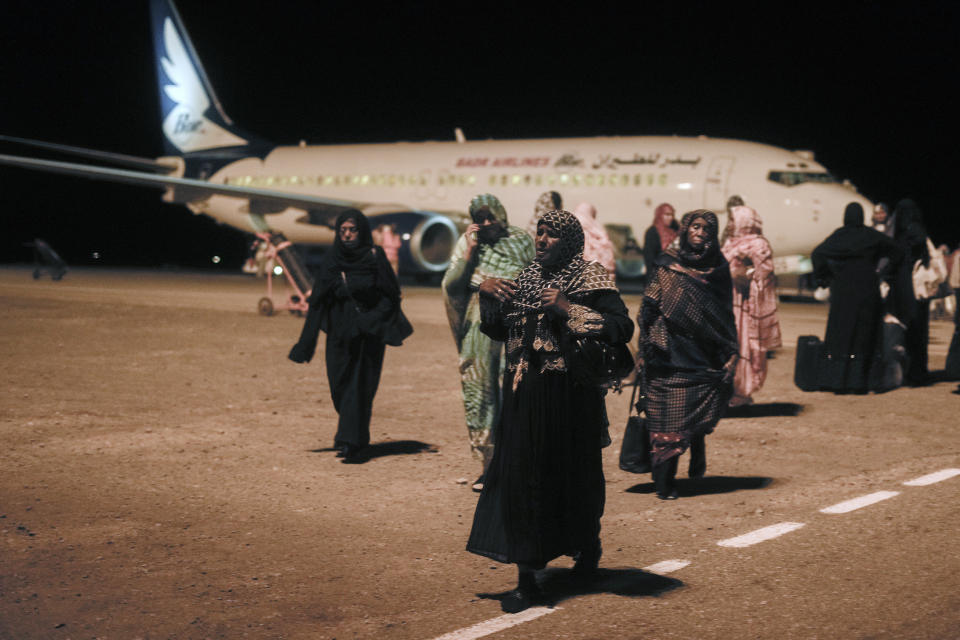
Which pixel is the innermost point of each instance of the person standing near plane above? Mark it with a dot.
(911, 236)
(847, 263)
(596, 244)
(754, 301)
(489, 252)
(356, 301)
(387, 237)
(548, 201)
(659, 236)
(545, 491)
(732, 201)
(688, 348)
(881, 220)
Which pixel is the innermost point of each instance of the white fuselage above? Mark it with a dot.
(625, 178)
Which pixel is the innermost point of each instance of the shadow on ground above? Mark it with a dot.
(559, 584)
(383, 449)
(709, 485)
(766, 410)
(942, 375)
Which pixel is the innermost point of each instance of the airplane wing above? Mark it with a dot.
(320, 210)
(134, 162)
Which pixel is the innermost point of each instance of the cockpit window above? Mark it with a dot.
(793, 178)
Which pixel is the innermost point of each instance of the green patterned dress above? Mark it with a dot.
(481, 358)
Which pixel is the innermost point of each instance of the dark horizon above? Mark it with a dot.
(861, 87)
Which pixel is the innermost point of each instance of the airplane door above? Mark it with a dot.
(715, 187)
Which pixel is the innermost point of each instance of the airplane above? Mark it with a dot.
(214, 167)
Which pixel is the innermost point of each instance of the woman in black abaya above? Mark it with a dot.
(544, 491)
(847, 262)
(911, 237)
(356, 301)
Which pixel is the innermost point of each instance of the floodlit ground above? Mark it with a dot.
(165, 474)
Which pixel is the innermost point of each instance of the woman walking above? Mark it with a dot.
(489, 249)
(356, 301)
(544, 493)
(688, 348)
(754, 301)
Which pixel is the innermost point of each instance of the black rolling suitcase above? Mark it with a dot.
(806, 372)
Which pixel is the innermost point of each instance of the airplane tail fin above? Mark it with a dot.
(193, 119)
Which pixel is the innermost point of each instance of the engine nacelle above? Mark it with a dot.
(428, 239)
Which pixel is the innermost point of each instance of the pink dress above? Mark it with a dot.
(391, 243)
(754, 304)
(596, 243)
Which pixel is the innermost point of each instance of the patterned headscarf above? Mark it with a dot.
(746, 221)
(531, 328)
(534, 279)
(492, 203)
(746, 236)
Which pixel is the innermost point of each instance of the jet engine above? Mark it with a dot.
(428, 239)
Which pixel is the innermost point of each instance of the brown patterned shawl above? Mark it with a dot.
(687, 334)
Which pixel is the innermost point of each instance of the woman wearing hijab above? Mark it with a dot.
(658, 237)
(847, 262)
(356, 301)
(548, 201)
(688, 345)
(544, 493)
(732, 201)
(489, 249)
(754, 301)
(596, 243)
(911, 237)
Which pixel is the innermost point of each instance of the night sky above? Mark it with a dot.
(866, 88)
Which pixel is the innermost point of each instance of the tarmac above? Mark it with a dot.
(167, 473)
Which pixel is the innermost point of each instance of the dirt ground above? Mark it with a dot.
(166, 473)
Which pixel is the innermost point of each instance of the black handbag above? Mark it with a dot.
(595, 363)
(635, 450)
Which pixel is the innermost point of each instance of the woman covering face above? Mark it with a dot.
(491, 252)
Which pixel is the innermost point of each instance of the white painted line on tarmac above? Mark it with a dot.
(493, 625)
(667, 566)
(937, 476)
(761, 535)
(858, 503)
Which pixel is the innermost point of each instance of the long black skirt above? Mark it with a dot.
(544, 491)
(353, 372)
(853, 343)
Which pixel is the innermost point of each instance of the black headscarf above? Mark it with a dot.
(364, 259)
(347, 257)
(853, 215)
(907, 214)
(852, 239)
